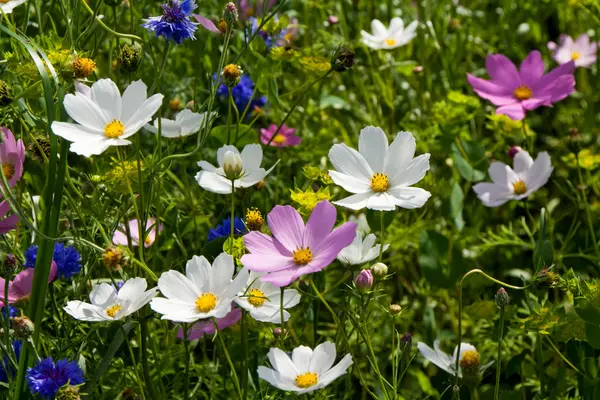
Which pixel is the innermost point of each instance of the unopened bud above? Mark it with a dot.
(130, 57)
(574, 140)
(175, 104)
(9, 266)
(333, 20)
(395, 309)
(406, 342)
(230, 13)
(502, 298)
(546, 278)
(512, 152)
(232, 165)
(68, 393)
(277, 332)
(129, 394)
(380, 270)
(364, 280)
(113, 257)
(344, 61)
(190, 105)
(22, 327)
(6, 95)
(418, 69)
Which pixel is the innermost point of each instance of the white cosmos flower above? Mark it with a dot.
(389, 38)
(469, 358)
(359, 251)
(306, 370)
(108, 304)
(7, 6)
(379, 174)
(204, 291)
(103, 117)
(186, 123)
(515, 183)
(263, 300)
(214, 179)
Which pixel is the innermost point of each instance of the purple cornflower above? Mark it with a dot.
(517, 91)
(296, 249)
(174, 24)
(47, 376)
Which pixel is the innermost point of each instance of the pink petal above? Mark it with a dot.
(546, 82)
(513, 111)
(502, 70)
(287, 226)
(282, 278)
(495, 93)
(532, 104)
(257, 242)
(264, 263)
(532, 68)
(319, 224)
(563, 87)
(330, 247)
(206, 23)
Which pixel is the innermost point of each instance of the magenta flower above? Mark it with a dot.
(12, 155)
(517, 91)
(207, 327)
(20, 287)
(581, 51)
(296, 249)
(284, 138)
(152, 230)
(9, 223)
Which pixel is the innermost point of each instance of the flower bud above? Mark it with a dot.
(232, 165)
(9, 267)
(130, 57)
(418, 69)
(546, 278)
(380, 270)
(333, 20)
(574, 140)
(230, 13)
(502, 298)
(6, 95)
(68, 393)
(115, 257)
(129, 394)
(406, 342)
(364, 280)
(277, 332)
(512, 152)
(344, 60)
(175, 104)
(22, 327)
(83, 67)
(395, 309)
(231, 75)
(190, 105)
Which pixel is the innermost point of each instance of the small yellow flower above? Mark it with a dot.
(254, 219)
(175, 104)
(308, 200)
(83, 67)
(315, 64)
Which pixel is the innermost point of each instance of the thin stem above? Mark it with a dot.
(162, 68)
(498, 360)
(145, 366)
(236, 381)
(587, 207)
(232, 233)
(244, 333)
(135, 367)
(186, 343)
(281, 322)
(563, 357)
(106, 28)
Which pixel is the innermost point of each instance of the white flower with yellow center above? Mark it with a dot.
(243, 169)
(359, 251)
(389, 38)
(103, 117)
(515, 183)
(204, 291)
(379, 174)
(469, 360)
(185, 123)
(307, 370)
(108, 304)
(6, 6)
(263, 300)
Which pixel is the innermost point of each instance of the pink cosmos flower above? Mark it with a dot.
(207, 327)
(209, 25)
(12, 155)
(580, 51)
(284, 138)
(20, 287)
(9, 223)
(296, 249)
(152, 230)
(516, 91)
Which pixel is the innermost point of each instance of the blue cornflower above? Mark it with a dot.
(67, 259)
(225, 228)
(174, 24)
(5, 365)
(47, 377)
(242, 93)
(9, 311)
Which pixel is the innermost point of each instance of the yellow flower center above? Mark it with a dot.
(302, 256)
(114, 129)
(83, 67)
(8, 169)
(522, 92)
(254, 219)
(148, 240)
(113, 310)
(390, 42)
(279, 138)
(4, 1)
(380, 183)
(206, 302)
(306, 380)
(256, 297)
(231, 72)
(519, 187)
(470, 360)
(575, 56)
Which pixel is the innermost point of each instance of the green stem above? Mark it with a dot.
(162, 68)
(106, 28)
(135, 367)
(498, 360)
(145, 366)
(186, 344)
(244, 333)
(587, 207)
(236, 381)
(232, 231)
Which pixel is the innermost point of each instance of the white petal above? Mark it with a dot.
(88, 147)
(301, 358)
(143, 115)
(282, 363)
(522, 162)
(85, 112)
(493, 195)
(350, 183)
(350, 162)
(378, 28)
(141, 301)
(190, 122)
(198, 271)
(373, 146)
(539, 173)
(213, 182)
(250, 178)
(322, 358)
(86, 312)
(222, 150)
(252, 156)
(133, 98)
(75, 132)
(103, 295)
(355, 202)
(221, 274)
(174, 310)
(409, 197)
(396, 25)
(381, 202)
(400, 153)
(177, 286)
(502, 174)
(412, 172)
(132, 289)
(275, 379)
(433, 357)
(337, 371)
(106, 95)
